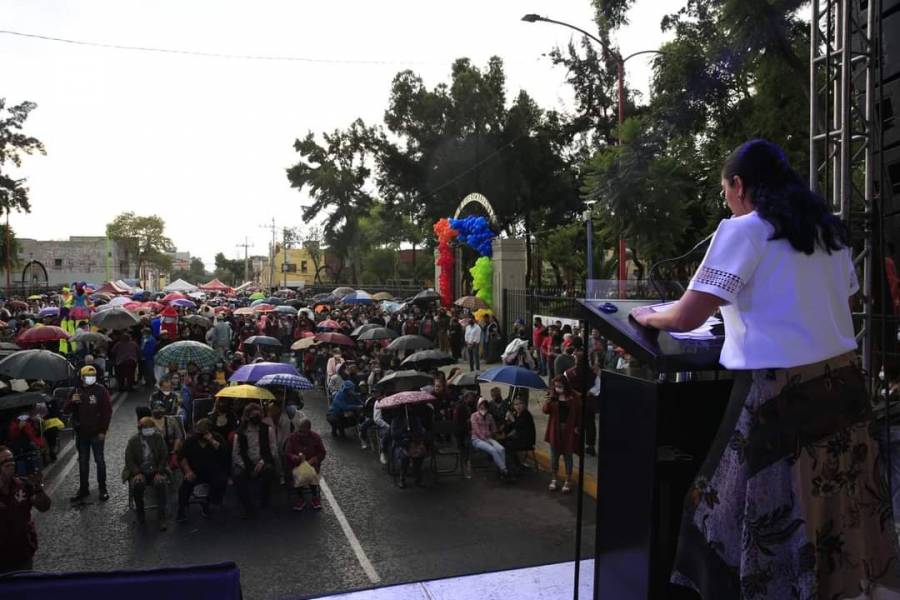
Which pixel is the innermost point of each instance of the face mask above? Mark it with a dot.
(255, 419)
(559, 390)
(483, 411)
(291, 411)
(90, 380)
(148, 431)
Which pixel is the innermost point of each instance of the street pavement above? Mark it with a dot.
(370, 533)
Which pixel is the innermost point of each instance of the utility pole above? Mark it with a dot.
(285, 240)
(274, 230)
(246, 245)
(7, 255)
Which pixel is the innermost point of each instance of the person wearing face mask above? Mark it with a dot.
(203, 459)
(222, 419)
(17, 496)
(564, 409)
(145, 464)
(170, 427)
(91, 410)
(483, 430)
(253, 458)
(305, 446)
(165, 395)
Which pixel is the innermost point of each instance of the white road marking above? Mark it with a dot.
(117, 401)
(364, 561)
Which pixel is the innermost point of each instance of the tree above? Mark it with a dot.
(230, 272)
(197, 270)
(145, 238)
(312, 240)
(13, 247)
(13, 145)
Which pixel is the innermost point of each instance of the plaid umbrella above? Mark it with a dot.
(186, 351)
(293, 382)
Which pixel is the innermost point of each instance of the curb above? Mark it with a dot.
(590, 482)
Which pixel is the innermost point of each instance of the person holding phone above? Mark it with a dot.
(91, 410)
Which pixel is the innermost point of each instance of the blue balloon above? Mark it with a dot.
(474, 232)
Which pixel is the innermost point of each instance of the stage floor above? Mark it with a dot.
(546, 582)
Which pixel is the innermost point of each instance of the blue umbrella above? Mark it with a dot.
(357, 298)
(294, 382)
(514, 376)
(254, 372)
(50, 311)
(258, 302)
(183, 303)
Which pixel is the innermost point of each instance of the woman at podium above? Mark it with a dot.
(790, 502)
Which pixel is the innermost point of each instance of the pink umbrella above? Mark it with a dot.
(328, 324)
(404, 399)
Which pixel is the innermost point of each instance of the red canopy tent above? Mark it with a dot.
(216, 286)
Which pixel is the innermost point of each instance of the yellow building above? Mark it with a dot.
(297, 270)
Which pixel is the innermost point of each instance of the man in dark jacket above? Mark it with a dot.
(204, 458)
(253, 458)
(519, 430)
(145, 464)
(91, 410)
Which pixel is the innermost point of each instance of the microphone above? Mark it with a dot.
(651, 273)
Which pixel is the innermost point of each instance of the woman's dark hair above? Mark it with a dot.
(781, 197)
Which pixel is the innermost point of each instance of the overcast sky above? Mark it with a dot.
(204, 142)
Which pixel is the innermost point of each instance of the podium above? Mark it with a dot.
(654, 433)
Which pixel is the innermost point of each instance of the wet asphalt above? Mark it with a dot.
(452, 527)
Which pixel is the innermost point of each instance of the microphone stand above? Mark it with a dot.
(652, 272)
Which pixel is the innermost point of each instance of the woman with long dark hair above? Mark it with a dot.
(790, 502)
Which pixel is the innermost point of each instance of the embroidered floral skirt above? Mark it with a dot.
(791, 501)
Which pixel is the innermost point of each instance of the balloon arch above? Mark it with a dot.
(477, 233)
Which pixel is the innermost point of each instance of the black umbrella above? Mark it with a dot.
(262, 340)
(325, 299)
(426, 296)
(410, 342)
(356, 332)
(36, 364)
(274, 300)
(296, 303)
(22, 400)
(467, 379)
(427, 359)
(377, 333)
(404, 381)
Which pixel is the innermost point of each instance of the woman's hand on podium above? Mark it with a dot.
(641, 314)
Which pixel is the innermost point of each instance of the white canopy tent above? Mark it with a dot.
(180, 285)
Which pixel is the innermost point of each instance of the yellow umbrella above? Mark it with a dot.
(382, 296)
(36, 297)
(246, 392)
(482, 312)
(305, 343)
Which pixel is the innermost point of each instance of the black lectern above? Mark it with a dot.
(653, 436)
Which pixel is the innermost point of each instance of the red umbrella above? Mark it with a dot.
(39, 335)
(335, 338)
(17, 304)
(307, 334)
(155, 306)
(172, 296)
(328, 324)
(404, 399)
(133, 306)
(263, 308)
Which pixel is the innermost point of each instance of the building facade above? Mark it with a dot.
(53, 263)
(294, 269)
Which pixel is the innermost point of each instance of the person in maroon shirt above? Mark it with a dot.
(305, 445)
(91, 410)
(17, 497)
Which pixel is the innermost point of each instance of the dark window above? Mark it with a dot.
(303, 267)
(57, 263)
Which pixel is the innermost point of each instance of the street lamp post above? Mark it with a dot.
(620, 79)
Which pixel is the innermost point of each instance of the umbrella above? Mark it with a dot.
(257, 302)
(36, 364)
(377, 333)
(410, 342)
(245, 392)
(308, 312)
(88, 337)
(296, 303)
(382, 296)
(150, 305)
(257, 296)
(262, 340)
(183, 303)
(328, 324)
(482, 312)
(39, 335)
(263, 308)
(340, 292)
(340, 339)
(467, 379)
(187, 351)
(305, 343)
(50, 311)
(357, 298)
(253, 372)
(120, 301)
(471, 302)
(114, 318)
(326, 299)
(172, 296)
(22, 400)
(15, 304)
(391, 307)
(514, 376)
(426, 296)
(404, 399)
(404, 381)
(356, 332)
(244, 310)
(35, 297)
(293, 382)
(9, 346)
(274, 300)
(197, 320)
(425, 359)
(286, 310)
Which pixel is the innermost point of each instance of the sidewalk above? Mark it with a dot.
(541, 448)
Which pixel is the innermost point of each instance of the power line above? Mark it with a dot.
(272, 58)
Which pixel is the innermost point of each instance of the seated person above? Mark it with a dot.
(204, 458)
(145, 463)
(25, 441)
(222, 419)
(483, 431)
(170, 428)
(253, 459)
(409, 445)
(167, 396)
(344, 410)
(305, 447)
(498, 407)
(519, 429)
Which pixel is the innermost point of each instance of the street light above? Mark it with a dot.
(620, 77)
